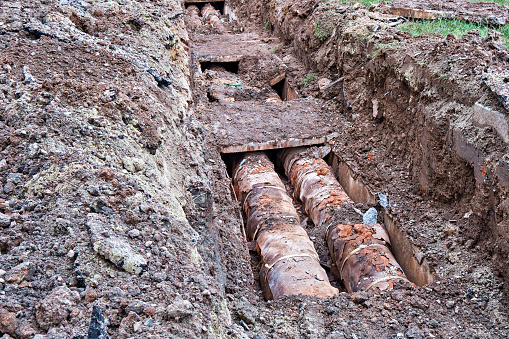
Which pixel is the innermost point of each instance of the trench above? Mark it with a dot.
(419, 273)
(228, 69)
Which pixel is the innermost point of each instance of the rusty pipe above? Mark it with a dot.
(290, 264)
(213, 16)
(361, 252)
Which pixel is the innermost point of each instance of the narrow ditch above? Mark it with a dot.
(418, 273)
(228, 84)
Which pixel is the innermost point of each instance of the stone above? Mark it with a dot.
(369, 218)
(359, 297)
(27, 77)
(179, 309)
(15, 178)
(127, 324)
(91, 296)
(5, 220)
(112, 248)
(56, 307)
(20, 272)
(98, 325)
(8, 321)
(9, 187)
(246, 311)
(26, 330)
(323, 83)
(134, 233)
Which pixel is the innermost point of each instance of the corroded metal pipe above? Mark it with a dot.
(290, 264)
(361, 252)
(213, 16)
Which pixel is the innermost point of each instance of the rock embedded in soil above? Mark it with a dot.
(20, 272)
(180, 309)
(116, 250)
(246, 311)
(8, 321)
(5, 220)
(98, 325)
(56, 307)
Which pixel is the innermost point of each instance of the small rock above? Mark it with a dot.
(15, 178)
(114, 249)
(369, 218)
(359, 297)
(134, 233)
(97, 328)
(3, 164)
(5, 220)
(128, 323)
(449, 304)
(323, 83)
(27, 77)
(91, 296)
(56, 307)
(449, 231)
(27, 330)
(246, 311)
(8, 321)
(137, 327)
(179, 309)
(2, 273)
(20, 272)
(149, 322)
(9, 188)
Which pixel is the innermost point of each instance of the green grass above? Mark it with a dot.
(308, 79)
(500, 2)
(366, 3)
(445, 26)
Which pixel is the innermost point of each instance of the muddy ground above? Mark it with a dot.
(115, 197)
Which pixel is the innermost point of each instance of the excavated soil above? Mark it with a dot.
(116, 198)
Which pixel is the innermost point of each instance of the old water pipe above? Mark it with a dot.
(213, 15)
(360, 252)
(290, 264)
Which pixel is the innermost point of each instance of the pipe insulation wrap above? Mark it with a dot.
(290, 264)
(360, 252)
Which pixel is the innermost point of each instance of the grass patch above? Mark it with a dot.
(308, 79)
(445, 26)
(384, 47)
(324, 26)
(500, 2)
(366, 3)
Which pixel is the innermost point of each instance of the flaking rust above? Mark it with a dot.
(361, 252)
(290, 264)
(213, 16)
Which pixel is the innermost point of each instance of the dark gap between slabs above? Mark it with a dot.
(229, 66)
(281, 85)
